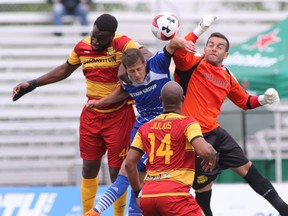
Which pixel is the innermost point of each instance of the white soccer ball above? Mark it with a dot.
(165, 26)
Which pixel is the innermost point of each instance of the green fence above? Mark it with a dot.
(265, 167)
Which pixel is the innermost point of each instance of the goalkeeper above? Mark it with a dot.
(207, 88)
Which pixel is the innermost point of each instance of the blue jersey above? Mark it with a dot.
(146, 95)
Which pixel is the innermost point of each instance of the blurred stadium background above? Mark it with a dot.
(39, 133)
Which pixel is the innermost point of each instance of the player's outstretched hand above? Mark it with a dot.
(23, 88)
(270, 96)
(190, 46)
(207, 20)
(204, 24)
(178, 42)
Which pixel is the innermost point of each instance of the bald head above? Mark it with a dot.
(172, 97)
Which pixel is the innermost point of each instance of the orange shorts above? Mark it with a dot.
(170, 206)
(101, 132)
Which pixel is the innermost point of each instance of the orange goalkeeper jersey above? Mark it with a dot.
(101, 68)
(208, 88)
(171, 157)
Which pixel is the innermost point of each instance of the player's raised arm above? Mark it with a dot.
(178, 42)
(57, 74)
(204, 24)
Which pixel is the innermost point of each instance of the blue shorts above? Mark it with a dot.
(141, 165)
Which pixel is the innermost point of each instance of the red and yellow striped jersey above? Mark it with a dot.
(101, 68)
(171, 157)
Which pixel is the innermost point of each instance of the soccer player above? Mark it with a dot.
(208, 87)
(169, 142)
(100, 57)
(148, 79)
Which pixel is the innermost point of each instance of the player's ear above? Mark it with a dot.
(160, 98)
(183, 97)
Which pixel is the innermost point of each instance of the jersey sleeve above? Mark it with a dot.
(131, 43)
(160, 62)
(193, 130)
(183, 59)
(74, 59)
(80, 48)
(137, 142)
(237, 94)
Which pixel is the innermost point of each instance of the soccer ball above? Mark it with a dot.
(165, 26)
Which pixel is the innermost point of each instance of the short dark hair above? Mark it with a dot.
(106, 22)
(220, 35)
(131, 56)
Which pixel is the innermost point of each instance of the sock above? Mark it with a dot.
(116, 190)
(203, 199)
(134, 209)
(264, 188)
(89, 189)
(120, 204)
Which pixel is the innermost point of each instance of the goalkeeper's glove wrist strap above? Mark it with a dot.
(32, 84)
(261, 100)
(198, 31)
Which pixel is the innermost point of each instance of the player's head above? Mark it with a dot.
(103, 32)
(135, 65)
(172, 97)
(216, 49)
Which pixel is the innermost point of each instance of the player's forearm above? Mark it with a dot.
(209, 153)
(206, 152)
(191, 37)
(116, 96)
(55, 75)
(252, 102)
(270, 96)
(203, 149)
(177, 43)
(133, 176)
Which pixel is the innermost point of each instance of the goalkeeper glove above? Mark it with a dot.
(270, 96)
(22, 91)
(204, 24)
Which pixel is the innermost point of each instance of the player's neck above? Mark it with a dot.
(177, 111)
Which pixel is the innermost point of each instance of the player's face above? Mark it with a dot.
(137, 72)
(215, 51)
(100, 40)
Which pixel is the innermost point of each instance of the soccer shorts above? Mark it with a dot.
(229, 155)
(101, 132)
(170, 206)
(141, 165)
